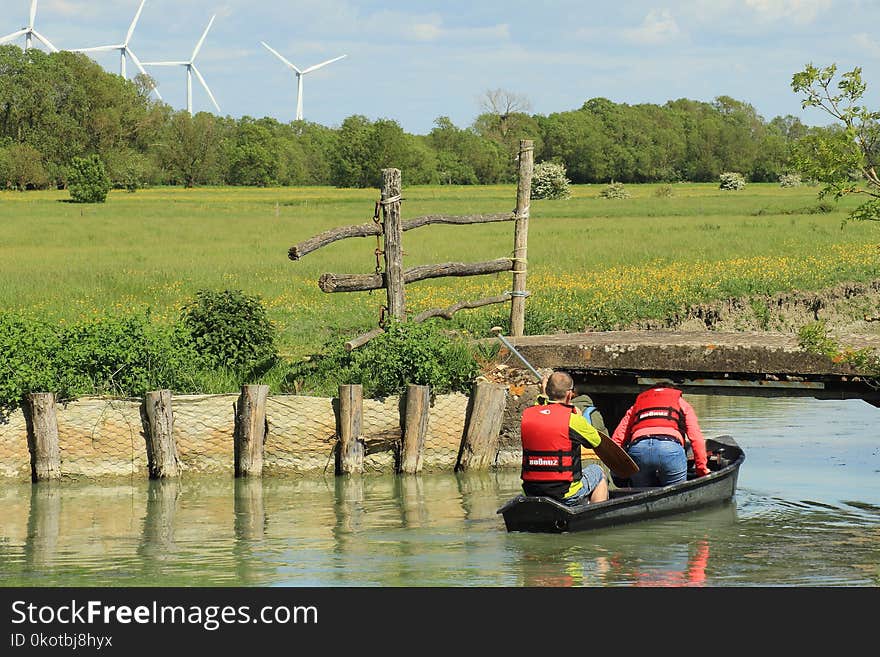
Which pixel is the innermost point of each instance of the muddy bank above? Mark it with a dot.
(846, 308)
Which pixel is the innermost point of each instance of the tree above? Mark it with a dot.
(88, 180)
(21, 168)
(846, 159)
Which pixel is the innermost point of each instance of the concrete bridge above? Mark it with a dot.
(613, 366)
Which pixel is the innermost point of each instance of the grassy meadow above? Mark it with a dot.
(593, 263)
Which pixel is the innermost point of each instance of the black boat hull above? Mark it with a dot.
(542, 514)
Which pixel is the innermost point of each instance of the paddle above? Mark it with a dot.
(612, 454)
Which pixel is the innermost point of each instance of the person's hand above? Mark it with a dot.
(544, 377)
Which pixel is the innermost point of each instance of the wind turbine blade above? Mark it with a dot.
(97, 48)
(317, 66)
(134, 22)
(141, 68)
(45, 41)
(279, 56)
(166, 63)
(205, 85)
(14, 35)
(202, 40)
(33, 13)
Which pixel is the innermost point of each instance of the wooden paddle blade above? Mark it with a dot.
(617, 460)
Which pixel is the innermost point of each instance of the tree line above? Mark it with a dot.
(59, 106)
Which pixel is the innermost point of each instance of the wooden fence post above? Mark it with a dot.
(415, 427)
(480, 442)
(394, 282)
(43, 437)
(350, 454)
(162, 456)
(520, 240)
(250, 431)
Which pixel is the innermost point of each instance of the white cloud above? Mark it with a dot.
(800, 11)
(657, 28)
(867, 43)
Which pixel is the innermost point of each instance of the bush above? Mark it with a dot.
(732, 181)
(88, 180)
(549, 181)
(664, 191)
(406, 353)
(790, 180)
(614, 190)
(231, 329)
(122, 356)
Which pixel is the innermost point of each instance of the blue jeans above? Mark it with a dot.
(660, 462)
(591, 475)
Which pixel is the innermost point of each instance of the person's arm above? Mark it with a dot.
(698, 442)
(620, 432)
(582, 432)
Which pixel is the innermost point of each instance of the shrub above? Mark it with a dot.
(614, 190)
(88, 180)
(790, 180)
(549, 181)
(406, 353)
(125, 356)
(664, 191)
(732, 181)
(231, 329)
(122, 356)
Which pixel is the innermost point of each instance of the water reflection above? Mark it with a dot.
(799, 518)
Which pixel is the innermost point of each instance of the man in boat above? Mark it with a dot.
(552, 432)
(653, 433)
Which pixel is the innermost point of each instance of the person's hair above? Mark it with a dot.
(558, 384)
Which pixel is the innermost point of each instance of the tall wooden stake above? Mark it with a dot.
(521, 233)
(486, 415)
(415, 427)
(394, 281)
(350, 454)
(162, 459)
(43, 438)
(250, 430)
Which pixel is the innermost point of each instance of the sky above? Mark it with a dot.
(416, 61)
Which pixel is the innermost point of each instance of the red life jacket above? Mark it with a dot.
(657, 408)
(549, 454)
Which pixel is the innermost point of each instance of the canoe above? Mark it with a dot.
(626, 504)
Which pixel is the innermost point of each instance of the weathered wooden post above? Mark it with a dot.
(520, 239)
(250, 430)
(43, 437)
(350, 449)
(162, 459)
(394, 282)
(480, 442)
(415, 427)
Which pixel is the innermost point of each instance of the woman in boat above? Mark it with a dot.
(552, 433)
(653, 433)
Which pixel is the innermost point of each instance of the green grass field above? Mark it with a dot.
(593, 262)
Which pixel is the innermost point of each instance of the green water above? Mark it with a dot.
(806, 513)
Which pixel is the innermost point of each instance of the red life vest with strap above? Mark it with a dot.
(549, 454)
(657, 408)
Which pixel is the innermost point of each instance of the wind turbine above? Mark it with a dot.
(124, 50)
(191, 69)
(299, 76)
(29, 32)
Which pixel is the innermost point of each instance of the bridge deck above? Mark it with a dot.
(753, 363)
